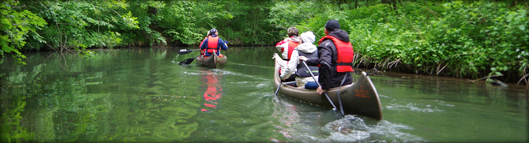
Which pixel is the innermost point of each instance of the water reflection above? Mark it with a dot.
(139, 95)
(211, 81)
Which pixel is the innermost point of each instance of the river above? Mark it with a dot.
(144, 95)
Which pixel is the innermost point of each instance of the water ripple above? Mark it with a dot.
(412, 107)
(352, 128)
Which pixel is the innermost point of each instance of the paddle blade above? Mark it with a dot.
(187, 61)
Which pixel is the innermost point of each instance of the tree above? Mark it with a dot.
(17, 25)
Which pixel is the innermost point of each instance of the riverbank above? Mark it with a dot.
(464, 39)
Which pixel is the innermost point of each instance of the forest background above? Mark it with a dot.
(466, 39)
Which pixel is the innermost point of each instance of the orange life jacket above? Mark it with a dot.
(213, 43)
(291, 46)
(344, 54)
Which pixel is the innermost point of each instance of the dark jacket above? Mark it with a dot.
(329, 77)
(220, 45)
(302, 71)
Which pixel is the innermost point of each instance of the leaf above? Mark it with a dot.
(522, 27)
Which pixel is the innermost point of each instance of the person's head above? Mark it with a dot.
(208, 33)
(331, 25)
(213, 31)
(292, 31)
(308, 37)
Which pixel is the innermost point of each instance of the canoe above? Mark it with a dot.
(360, 97)
(212, 61)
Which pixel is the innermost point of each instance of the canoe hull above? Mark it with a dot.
(360, 97)
(212, 61)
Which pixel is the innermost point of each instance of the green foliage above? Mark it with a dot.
(462, 39)
(249, 25)
(16, 26)
(76, 25)
(285, 14)
(180, 19)
(81, 24)
(455, 38)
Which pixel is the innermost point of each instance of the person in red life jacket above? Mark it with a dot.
(287, 46)
(335, 58)
(294, 66)
(213, 43)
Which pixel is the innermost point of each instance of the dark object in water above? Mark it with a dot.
(187, 61)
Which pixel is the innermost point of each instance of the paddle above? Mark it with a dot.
(187, 61)
(277, 90)
(280, 82)
(338, 94)
(186, 51)
(328, 98)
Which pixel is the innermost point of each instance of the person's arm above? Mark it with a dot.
(325, 69)
(223, 45)
(284, 53)
(204, 44)
(312, 62)
(325, 77)
(291, 66)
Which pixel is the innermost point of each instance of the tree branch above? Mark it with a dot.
(487, 77)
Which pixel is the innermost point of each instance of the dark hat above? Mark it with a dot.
(331, 25)
(212, 31)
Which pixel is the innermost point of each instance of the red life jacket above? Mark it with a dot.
(213, 43)
(344, 54)
(291, 46)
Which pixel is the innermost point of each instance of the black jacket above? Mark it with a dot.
(329, 77)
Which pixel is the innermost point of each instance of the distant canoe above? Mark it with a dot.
(212, 61)
(360, 97)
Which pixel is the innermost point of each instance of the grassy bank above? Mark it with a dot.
(458, 39)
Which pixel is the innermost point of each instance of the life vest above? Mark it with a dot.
(344, 54)
(291, 47)
(213, 43)
(302, 70)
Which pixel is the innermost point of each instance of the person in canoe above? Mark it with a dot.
(202, 50)
(287, 46)
(213, 43)
(335, 58)
(295, 67)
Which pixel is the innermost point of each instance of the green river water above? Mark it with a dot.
(143, 95)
